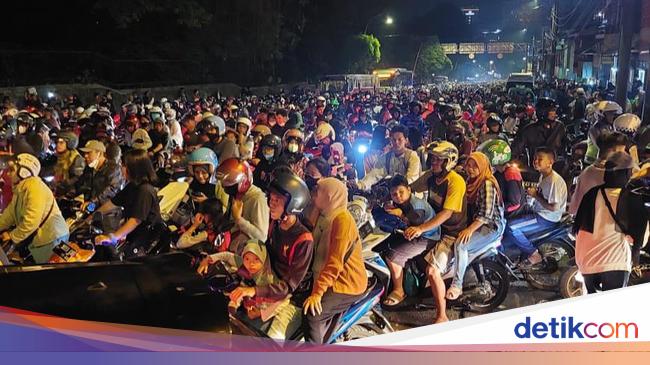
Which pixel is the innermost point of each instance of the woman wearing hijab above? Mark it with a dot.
(603, 252)
(485, 212)
(338, 265)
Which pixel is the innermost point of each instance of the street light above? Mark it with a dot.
(473, 61)
(389, 20)
(523, 58)
(491, 62)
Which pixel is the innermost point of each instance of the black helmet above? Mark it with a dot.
(294, 189)
(272, 141)
(493, 119)
(543, 106)
(446, 111)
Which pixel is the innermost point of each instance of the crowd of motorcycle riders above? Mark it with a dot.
(280, 169)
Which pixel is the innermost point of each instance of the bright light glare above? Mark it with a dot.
(389, 20)
(362, 148)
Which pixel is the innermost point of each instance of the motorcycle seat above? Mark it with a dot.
(488, 251)
(372, 283)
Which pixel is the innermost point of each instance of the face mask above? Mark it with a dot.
(311, 182)
(22, 129)
(213, 136)
(268, 156)
(94, 163)
(292, 147)
(231, 190)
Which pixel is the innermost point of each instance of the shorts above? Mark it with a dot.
(400, 250)
(439, 256)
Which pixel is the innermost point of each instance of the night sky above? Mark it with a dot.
(310, 34)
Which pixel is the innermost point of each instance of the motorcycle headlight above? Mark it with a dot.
(362, 148)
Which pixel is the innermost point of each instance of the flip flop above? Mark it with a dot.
(393, 300)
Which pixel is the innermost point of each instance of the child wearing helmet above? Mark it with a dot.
(446, 194)
(32, 219)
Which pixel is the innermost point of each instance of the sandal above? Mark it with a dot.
(453, 293)
(393, 300)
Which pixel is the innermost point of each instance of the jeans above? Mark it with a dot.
(479, 239)
(519, 228)
(607, 280)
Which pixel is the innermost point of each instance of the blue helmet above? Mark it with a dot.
(203, 156)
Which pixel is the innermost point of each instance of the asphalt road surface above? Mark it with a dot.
(409, 316)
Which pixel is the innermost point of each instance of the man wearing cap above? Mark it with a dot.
(141, 140)
(102, 178)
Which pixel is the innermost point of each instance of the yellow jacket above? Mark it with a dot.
(29, 205)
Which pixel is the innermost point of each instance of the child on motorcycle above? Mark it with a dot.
(486, 212)
(548, 204)
(211, 217)
(411, 210)
(256, 271)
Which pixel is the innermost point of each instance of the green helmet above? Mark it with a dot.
(497, 151)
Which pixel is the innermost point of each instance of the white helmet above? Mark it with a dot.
(446, 151)
(28, 165)
(627, 123)
(247, 122)
(610, 106)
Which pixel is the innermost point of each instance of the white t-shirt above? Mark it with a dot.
(590, 177)
(604, 249)
(554, 190)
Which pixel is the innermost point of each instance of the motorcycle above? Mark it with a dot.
(556, 245)
(361, 320)
(485, 285)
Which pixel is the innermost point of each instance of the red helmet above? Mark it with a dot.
(236, 176)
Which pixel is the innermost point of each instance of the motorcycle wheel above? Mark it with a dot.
(571, 283)
(557, 259)
(496, 281)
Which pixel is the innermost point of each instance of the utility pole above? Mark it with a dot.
(554, 36)
(626, 27)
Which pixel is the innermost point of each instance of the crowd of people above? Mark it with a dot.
(280, 169)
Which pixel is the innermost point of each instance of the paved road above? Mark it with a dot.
(407, 316)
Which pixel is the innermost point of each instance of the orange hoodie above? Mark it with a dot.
(344, 277)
